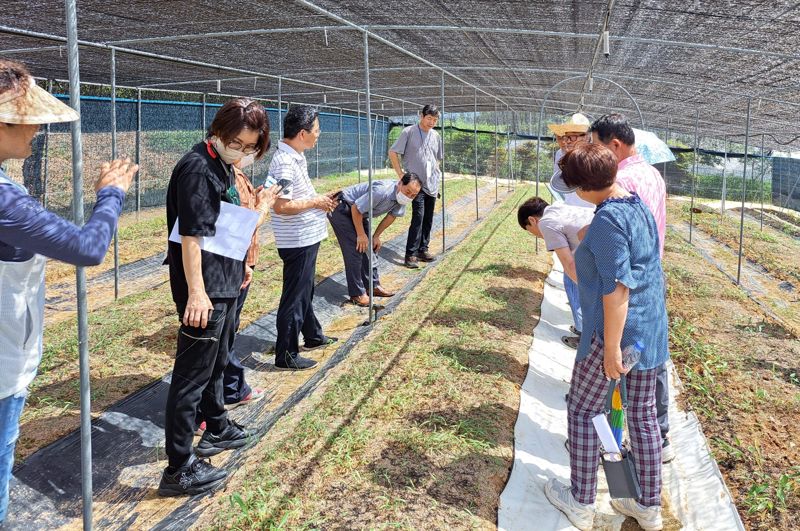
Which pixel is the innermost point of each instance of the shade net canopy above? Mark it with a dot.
(680, 61)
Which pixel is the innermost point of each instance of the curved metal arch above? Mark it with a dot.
(544, 102)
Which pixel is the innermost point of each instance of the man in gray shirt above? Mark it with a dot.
(421, 149)
(350, 224)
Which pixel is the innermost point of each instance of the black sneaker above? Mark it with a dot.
(295, 363)
(326, 342)
(233, 436)
(196, 477)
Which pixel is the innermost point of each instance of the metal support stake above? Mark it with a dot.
(666, 141)
(80, 272)
(369, 176)
(744, 190)
(444, 224)
(203, 118)
(694, 174)
(724, 179)
(280, 110)
(46, 161)
(341, 144)
(508, 152)
(763, 171)
(138, 148)
(358, 98)
(113, 157)
(496, 169)
(475, 142)
(403, 109)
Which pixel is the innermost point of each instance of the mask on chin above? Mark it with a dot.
(402, 198)
(228, 155)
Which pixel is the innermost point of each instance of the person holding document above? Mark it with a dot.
(205, 286)
(621, 289)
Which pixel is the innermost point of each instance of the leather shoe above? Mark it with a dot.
(425, 256)
(361, 300)
(412, 262)
(378, 291)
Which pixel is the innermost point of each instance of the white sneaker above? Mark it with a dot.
(667, 452)
(581, 516)
(649, 518)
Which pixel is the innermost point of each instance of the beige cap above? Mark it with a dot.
(577, 123)
(33, 105)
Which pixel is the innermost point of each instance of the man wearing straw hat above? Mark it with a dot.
(568, 135)
(29, 234)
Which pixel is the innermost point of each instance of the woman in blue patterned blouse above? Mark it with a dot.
(621, 288)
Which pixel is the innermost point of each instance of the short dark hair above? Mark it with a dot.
(238, 114)
(409, 177)
(532, 207)
(611, 126)
(299, 118)
(430, 110)
(590, 167)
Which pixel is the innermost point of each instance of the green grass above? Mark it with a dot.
(425, 390)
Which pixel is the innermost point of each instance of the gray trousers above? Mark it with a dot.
(356, 265)
(662, 399)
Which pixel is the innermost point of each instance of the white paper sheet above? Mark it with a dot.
(235, 227)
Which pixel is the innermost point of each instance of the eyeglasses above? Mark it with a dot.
(572, 137)
(248, 149)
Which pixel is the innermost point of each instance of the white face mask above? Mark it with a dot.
(402, 198)
(246, 161)
(228, 155)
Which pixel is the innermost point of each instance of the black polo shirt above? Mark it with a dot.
(196, 189)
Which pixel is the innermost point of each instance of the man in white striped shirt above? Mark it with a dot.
(299, 223)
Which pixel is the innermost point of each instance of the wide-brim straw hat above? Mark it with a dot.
(32, 104)
(577, 123)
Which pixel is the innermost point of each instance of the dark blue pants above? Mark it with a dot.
(296, 309)
(235, 388)
(419, 233)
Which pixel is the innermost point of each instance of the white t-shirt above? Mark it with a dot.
(303, 229)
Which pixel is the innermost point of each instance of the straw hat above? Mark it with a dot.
(577, 123)
(33, 105)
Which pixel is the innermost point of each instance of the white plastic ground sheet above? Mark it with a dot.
(693, 486)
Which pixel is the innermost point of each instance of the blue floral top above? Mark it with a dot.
(622, 245)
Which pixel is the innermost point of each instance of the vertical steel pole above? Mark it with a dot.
(444, 224)
(203, 118)
(403, 110)
(341, 144)
(475, 142)
(280, 110)
(369, 176)
(538, 129)
(496, 169)
(358, 97)
(80, 272)
(508, 149)
(114, 156)
(46, 162)
(763, 171)
(666, 141)
(724, 178)
(694, 174)
(138, 148)
(744, 190)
